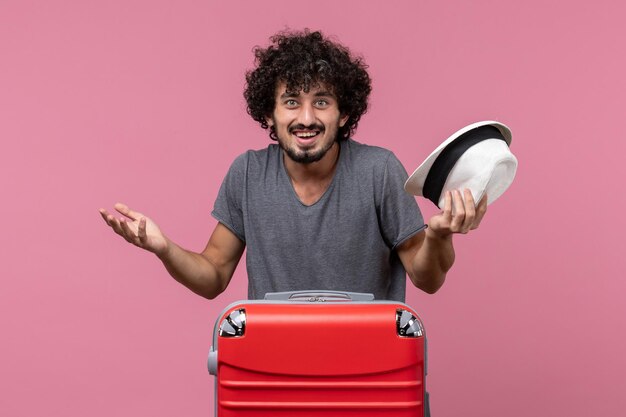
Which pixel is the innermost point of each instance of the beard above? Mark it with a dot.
(306, 156)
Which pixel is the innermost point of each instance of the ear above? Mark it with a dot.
(269, 120)
(343, 120)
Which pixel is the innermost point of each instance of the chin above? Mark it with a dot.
(305, 157)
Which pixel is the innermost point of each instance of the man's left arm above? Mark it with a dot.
(428, 256)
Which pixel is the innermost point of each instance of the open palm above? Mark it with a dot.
(136, 229)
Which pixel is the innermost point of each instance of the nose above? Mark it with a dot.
(307, 114)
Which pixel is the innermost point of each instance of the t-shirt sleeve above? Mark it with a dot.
(228, 208)
(400, 217)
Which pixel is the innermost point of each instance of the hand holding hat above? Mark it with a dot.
(476, 158)
(467, 214)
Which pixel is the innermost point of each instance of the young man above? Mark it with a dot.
(317, 210)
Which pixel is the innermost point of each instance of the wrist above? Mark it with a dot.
(164, 252)
(432, 234)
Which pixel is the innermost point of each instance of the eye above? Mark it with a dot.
(322, 103)
(291, 103)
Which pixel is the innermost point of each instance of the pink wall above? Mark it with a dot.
(140, 101)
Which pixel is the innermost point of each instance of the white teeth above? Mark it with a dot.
(306, 135)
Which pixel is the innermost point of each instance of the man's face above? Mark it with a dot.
(306, 124)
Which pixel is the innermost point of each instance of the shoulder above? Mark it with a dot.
(362, 156)
(362, 150)
(255, 159)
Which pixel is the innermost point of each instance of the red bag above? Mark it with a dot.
(317, 353)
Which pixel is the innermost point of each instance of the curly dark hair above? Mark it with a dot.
(303, 60)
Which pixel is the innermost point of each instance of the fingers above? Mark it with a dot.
(460, 214)
(470, 211)
(465, 212)
(128, 233)
(122, 227)
(447, 206)
(126, 211)
(481, 209)
(141, 231)
(105, 215)
(111, 221)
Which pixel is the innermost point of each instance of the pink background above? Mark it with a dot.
(141, 102)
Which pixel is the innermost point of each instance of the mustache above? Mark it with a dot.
(300, 126)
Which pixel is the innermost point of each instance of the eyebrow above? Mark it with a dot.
(321, 93)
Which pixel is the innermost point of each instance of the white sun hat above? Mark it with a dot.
(476, 157)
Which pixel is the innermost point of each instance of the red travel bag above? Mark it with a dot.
(318, 353)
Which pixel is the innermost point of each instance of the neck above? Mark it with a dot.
(314, 171)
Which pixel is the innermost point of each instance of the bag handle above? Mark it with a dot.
(318, 296)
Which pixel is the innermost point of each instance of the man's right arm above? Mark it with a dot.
(207, 273)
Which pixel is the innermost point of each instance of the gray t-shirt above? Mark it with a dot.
(345, 241)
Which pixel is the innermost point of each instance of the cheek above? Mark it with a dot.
(280, 120)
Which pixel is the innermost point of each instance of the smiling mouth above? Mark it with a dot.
(306, 137)
(306, 134)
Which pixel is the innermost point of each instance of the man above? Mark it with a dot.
(318, 210)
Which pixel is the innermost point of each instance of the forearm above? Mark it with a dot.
(193, 270)
(207, 273)
(432, 261)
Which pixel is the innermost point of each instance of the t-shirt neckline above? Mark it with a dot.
(326, 192)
